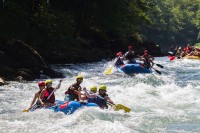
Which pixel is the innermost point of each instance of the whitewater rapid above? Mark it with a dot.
(166, 103)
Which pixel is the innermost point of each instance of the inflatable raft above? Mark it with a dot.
(192, 57)
(134, 68)
(69, 107)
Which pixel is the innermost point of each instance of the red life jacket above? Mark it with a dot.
(71, 92)
(46, 95)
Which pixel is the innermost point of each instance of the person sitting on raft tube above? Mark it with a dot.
(129, 55)
(102, 103)
(92, 95)
(119, 59)
(86, 97)
(196, 53)
(47, 97)
(178, 53)
(188, 49)
(72, 93)
(147, 59)
(41, 86)
(171, 52)
(101, 98)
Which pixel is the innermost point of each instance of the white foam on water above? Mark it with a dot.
(168, 102)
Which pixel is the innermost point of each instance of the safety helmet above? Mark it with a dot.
(146, 51)
(179, 48)
(79, 77)
(93, 88)
(48, 81)
(130, 47)
(103, 87)
(119, 53)
(41, 83)
(145, 54)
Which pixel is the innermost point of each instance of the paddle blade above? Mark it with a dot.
(109, 71)
(120, 106)
(25, 110)
(159, 65)
(158, 71)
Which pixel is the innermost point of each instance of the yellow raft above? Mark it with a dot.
(192, 57)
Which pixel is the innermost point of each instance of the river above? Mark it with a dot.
(166, 103)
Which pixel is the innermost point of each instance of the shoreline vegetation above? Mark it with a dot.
(36, 33)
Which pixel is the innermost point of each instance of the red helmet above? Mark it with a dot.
(119, 53)
(130, 47)
(41, 83)
(145, 54)
(146, 51)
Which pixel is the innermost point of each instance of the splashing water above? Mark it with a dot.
(160, 103)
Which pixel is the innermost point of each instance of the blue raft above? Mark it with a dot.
(70, 107)
(134, 68)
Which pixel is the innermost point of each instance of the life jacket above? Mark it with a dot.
(188, 49)
(46, 95)
(71, 92)
(129, 55)
(92, 100)
(147, 63)
(102, 102)
(119, 61)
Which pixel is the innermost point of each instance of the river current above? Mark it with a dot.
(166, 103)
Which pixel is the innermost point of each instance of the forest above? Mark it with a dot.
(64, 31)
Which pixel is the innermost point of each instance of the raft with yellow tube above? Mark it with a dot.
(192, 57)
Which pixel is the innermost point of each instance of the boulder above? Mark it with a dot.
(20, 59)
(2, 82)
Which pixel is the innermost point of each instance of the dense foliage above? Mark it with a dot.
(166, 22)
(174, 22)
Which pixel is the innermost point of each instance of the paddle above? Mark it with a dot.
(151, 66)
(159, 65)
(109, 70)
(27, 110)
(35, 105)
(156, 71)
(116, 107)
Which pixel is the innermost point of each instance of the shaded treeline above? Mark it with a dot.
(78, 29)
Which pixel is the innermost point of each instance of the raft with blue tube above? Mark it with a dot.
(70, 107)
(134, 68)
(65, 107)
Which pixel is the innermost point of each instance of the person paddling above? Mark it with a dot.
(102, 103)
(72, 92)
(101, 98)
(92, 95)
(129, 55)
(178, 53)
(41, 86)
(118, 60)
(47, 97)
(147, 59)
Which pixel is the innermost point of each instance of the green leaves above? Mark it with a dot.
(174, 22)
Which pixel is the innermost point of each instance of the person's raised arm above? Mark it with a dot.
(87, 94)
(59, 84)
